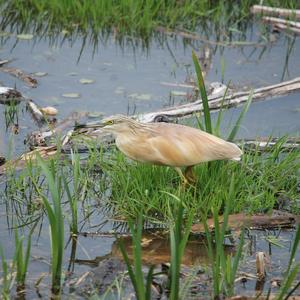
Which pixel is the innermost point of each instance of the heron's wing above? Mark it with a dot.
(178, 145)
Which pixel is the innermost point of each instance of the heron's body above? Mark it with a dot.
(168, 144)
(174, 145)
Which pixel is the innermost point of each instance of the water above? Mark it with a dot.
(129, 79)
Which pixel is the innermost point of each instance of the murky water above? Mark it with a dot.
(131, 79)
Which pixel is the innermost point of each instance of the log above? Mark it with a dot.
(287, 23)
(267, 144)
(278, 219)
(215, 103)
(276, 11)
(287, 28)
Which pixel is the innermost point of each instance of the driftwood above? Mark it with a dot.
(37, 138)
(9, 95)
(269, 297)
(278, 219)
(20, 75)
(267, 144)
(288, 23)
(36, 112)
(235, 99)
(287, 28)
(276, 11)
(20, 163)
(3, 62)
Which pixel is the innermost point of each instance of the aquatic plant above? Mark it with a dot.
(55, 216)
(21, 258)
(142, 290)
(179, 234)
(8, 275)
(224, 267)
(291, 272)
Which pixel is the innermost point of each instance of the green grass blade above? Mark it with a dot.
(149, 283)
(237, 125)
(201, 86)
(220, 113)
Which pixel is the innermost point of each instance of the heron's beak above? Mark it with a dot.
(89, 125)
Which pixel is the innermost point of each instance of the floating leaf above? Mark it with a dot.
(40, 74)
(178, 93)
(86, 81)
(119, 90)
(143, 97)
(25, 36)
(71, 95)
(95, 114)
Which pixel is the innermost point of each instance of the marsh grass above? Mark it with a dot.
(56, 219)
(8, 275)
(223, 267)
(126, 17)
(21, 257)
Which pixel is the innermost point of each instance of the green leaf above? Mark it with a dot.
(202, 90)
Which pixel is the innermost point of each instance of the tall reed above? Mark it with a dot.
(56, 219)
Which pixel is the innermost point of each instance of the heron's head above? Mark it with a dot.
(119, 124)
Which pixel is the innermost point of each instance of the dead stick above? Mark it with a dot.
(274, 20)
(276, 11)
(287, 28)
(215, 103)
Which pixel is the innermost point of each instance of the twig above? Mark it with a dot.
(287, 28)
(3, 62)
(274, 20)
(276, 11)
(36, 112)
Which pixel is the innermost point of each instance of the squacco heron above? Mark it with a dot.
(168, 144)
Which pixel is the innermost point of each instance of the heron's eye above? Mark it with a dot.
(109, 122)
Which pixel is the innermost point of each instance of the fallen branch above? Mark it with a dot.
(20, 75)
(267, 144)
(21, 162)
(278, 219)
(287, 28)
(287, 23)
(215, 103)
(276, 11)
(36, 112)
(3, 62)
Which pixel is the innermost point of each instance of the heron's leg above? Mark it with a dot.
(183, 178)
(189, 174)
